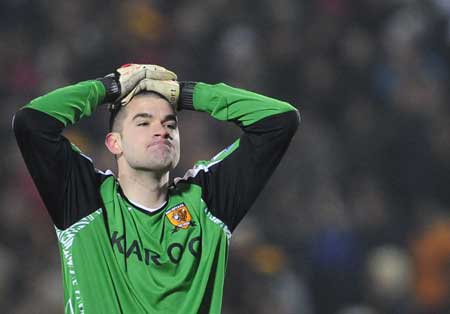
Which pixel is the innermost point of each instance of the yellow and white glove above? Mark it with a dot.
(120, 83)
(131, 74)
(169, 89)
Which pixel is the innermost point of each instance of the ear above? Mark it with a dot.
(113, 143)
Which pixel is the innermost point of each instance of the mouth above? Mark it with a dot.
(161, 143)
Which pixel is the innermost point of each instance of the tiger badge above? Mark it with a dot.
(180, 217)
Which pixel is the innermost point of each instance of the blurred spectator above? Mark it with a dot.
(390, 279)
(432, 258)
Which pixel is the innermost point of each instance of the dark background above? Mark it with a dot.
(356, 218)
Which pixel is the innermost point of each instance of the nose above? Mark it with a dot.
(160, 131)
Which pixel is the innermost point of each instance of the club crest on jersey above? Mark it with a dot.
(180, 217)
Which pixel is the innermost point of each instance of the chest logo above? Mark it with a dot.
(180, 217)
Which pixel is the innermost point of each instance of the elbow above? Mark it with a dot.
(292, 122)
(27, 122)
(19, 123)
(31, 121)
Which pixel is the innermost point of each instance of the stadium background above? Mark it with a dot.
(355, 220)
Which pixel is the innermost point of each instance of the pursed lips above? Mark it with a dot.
(162, 142)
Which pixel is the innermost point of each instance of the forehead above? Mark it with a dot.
(149, 104)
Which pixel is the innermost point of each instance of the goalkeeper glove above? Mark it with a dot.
(170, 90)
(120, 83)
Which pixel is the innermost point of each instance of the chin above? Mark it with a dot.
(158, 162)
(162, 166)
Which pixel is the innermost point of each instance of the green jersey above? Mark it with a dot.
(120, 257)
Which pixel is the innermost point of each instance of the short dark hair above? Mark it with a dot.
(116, 107)
(114, 111)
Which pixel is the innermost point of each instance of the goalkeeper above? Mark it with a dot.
(136, 242)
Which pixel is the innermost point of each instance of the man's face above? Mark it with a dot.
(149, 139)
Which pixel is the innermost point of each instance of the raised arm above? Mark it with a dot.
(232, 180)
(65, 179)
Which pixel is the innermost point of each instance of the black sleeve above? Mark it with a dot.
(66, 180)
(230, 187)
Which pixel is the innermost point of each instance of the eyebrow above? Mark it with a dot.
(169, 117)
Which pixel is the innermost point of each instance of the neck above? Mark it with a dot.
(144, 187)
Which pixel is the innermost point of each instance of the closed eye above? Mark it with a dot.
(143, 123)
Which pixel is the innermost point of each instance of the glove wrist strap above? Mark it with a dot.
(185, 100)
(112, 88)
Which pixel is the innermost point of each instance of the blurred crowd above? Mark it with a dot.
(356, 220)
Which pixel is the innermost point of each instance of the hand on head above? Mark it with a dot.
(135, 78)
